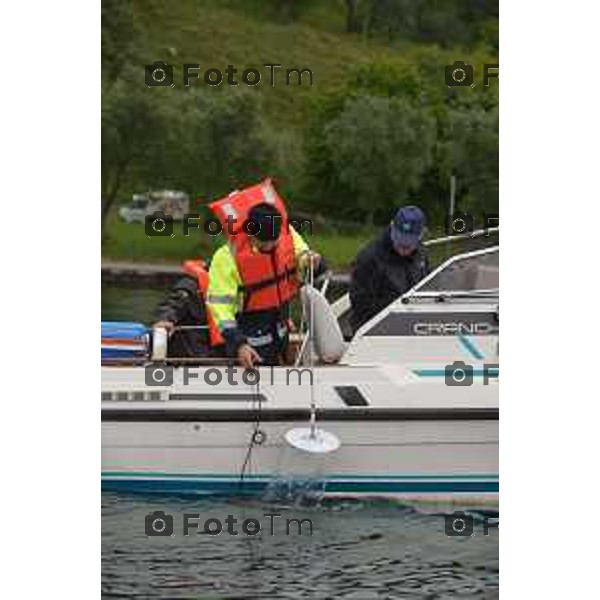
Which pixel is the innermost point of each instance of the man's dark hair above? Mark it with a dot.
(268, 218)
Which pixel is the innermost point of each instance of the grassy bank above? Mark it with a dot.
(129, 242)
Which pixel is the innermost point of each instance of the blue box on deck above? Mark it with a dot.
(125, 341)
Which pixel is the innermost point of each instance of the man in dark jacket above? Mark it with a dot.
(389, 266)
(183, 306)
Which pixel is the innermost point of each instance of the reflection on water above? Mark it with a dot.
(358, 550)
(130, 304)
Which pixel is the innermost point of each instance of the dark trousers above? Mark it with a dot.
(270, 342)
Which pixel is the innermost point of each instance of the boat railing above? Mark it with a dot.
(441, 294)
(462, 236)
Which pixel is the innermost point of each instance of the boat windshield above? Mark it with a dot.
(474, 271)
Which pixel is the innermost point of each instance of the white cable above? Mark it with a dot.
(313, 406)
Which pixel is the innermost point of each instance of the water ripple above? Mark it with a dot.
(358, 550)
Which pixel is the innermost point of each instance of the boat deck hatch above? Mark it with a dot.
(351, 395)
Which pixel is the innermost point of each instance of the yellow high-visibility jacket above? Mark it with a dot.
(224, 298)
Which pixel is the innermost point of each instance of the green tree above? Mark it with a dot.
(118, 37)
(204, 143)
(132, 128)
(470, 151)
(379, 148)
(236, 150)
(353, 16)
(444, 22)
(290, 10)
(215, 143)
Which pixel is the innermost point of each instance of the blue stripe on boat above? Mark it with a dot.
(223, 484)
(471, 347)
(491, 372)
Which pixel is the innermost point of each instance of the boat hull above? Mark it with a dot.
(421, 459)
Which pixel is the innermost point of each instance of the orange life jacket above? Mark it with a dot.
(269, 280)
(197, 270)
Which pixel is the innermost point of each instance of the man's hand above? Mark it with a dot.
(316, 261)
(168, 325)
(247, 356)
(306, 260)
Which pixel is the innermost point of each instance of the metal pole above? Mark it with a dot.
(452, 208)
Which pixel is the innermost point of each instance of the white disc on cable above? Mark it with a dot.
(317, 441)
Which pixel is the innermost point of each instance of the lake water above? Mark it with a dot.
(130, 304)
(358, 550)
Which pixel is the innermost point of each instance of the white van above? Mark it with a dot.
(175, 204)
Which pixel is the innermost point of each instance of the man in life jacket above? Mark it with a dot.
(254, 277)
(183, 310)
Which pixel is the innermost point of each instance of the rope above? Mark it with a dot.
(313, 406)
(257, 436)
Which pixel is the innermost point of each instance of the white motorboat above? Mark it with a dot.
(409, 410)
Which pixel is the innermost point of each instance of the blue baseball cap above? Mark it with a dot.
(408, 226)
